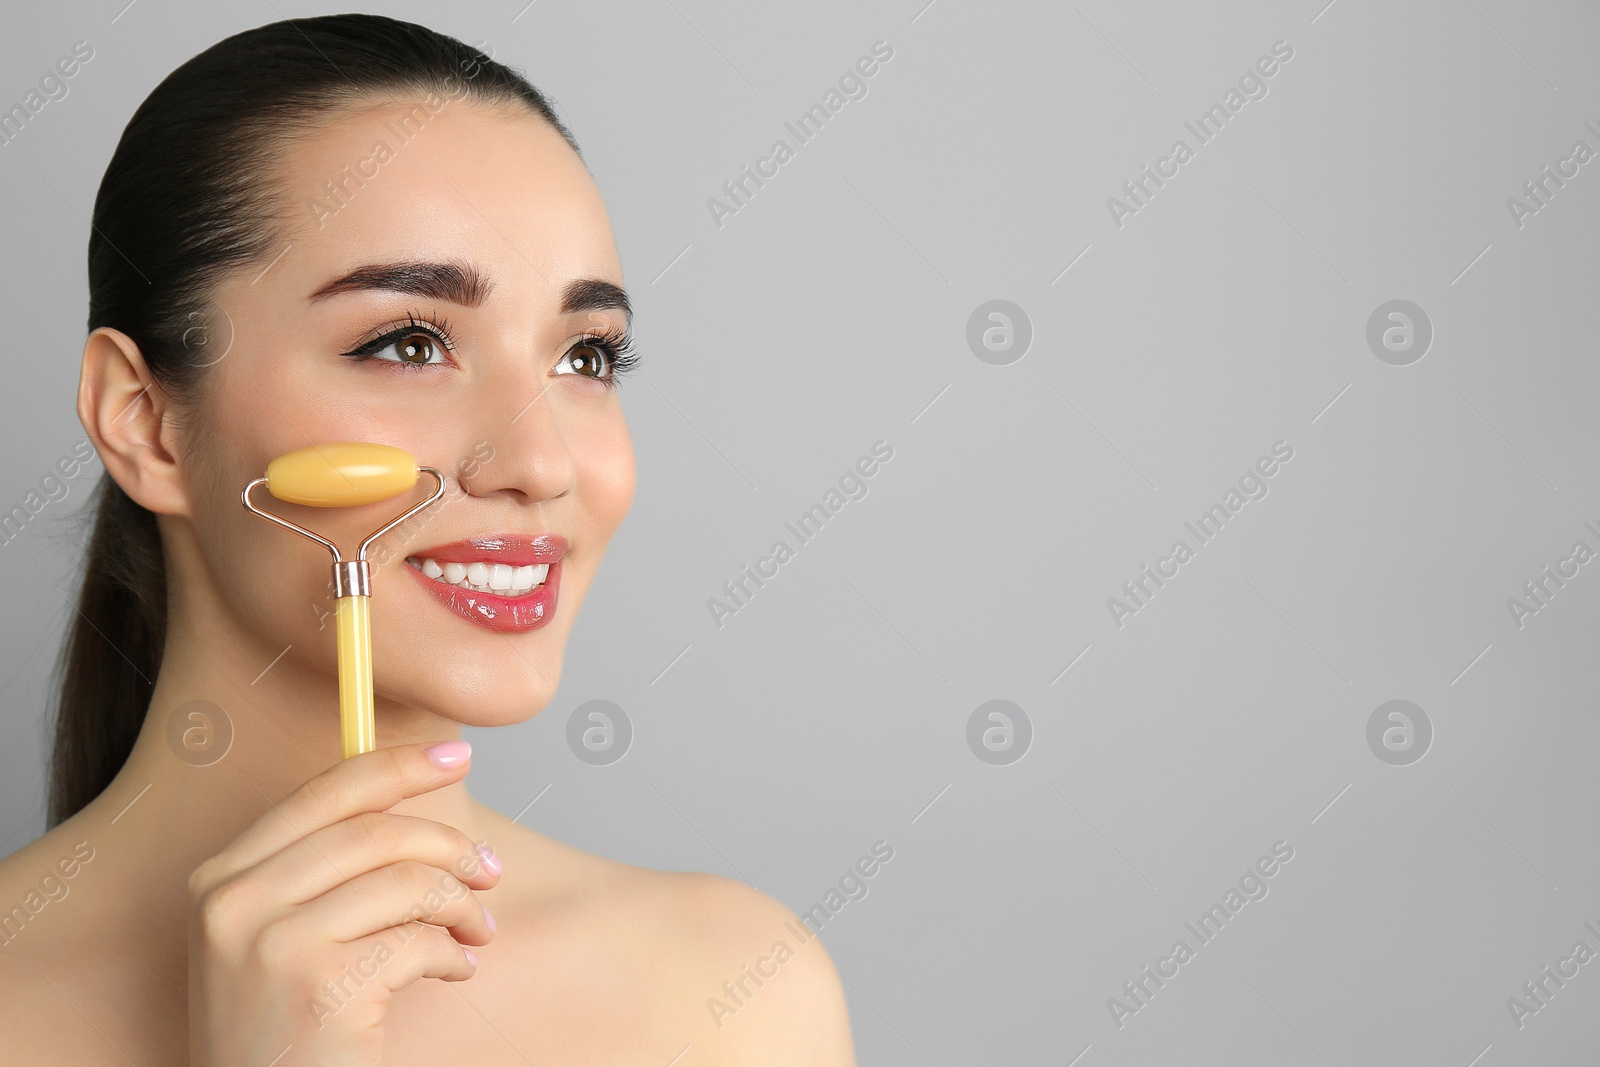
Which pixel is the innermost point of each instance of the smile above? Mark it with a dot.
(484, 577)
(505, 583)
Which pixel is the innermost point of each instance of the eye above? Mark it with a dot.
(417, 349)
(587, 358)
(605, 358)
(417, 342)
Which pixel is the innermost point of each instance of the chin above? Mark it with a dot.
(505, 710)
(484, 682)
(476, 658)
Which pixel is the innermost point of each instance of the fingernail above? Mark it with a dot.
(472, 957)
(490, 860)
(489, 918)
(448, 753)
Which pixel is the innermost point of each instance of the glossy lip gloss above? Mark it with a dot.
(496, 611)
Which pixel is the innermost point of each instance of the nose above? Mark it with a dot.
(522, 451)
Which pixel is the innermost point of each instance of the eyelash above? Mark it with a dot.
(617, 346)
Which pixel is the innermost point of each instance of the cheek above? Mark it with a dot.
(253, 563)
(275, 582)
(271, 585)
(278, 582)
(606, 473)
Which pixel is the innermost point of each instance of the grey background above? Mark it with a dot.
(1229, 313)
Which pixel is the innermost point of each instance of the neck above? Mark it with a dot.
(229, 732)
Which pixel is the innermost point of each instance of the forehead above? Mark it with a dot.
(443, 179)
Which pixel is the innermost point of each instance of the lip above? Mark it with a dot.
(514, 550)
(501, 614)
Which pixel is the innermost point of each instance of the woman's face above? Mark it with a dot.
(402, 221)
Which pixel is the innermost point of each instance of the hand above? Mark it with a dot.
(302, 928)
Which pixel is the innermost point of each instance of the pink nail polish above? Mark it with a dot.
(489, 918)
(448, 753)
(491, 862)
(472, 957)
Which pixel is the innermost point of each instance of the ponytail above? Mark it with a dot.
(108, 664)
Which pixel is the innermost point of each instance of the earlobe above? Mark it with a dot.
(125, 414)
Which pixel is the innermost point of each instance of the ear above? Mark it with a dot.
(130, 422)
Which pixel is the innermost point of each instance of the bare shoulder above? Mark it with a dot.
(39, 949)
(35, 884)
(710, 970)
(22, 993)
(758, 983)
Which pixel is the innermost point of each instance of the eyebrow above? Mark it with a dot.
(464, 284)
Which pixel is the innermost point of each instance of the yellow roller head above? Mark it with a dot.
(341, 475)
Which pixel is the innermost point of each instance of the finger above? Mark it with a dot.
(317, 863)
(399, 956)
(391, 896)
(371, 781)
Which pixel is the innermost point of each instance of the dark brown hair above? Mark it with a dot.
(187, 199)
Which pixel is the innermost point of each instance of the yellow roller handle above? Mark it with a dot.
(346, 474)
(357, 730)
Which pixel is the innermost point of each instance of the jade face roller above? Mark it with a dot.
(340, 476)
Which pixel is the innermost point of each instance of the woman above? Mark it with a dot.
(331, 229)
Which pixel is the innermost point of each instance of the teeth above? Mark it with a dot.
(482, 577)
